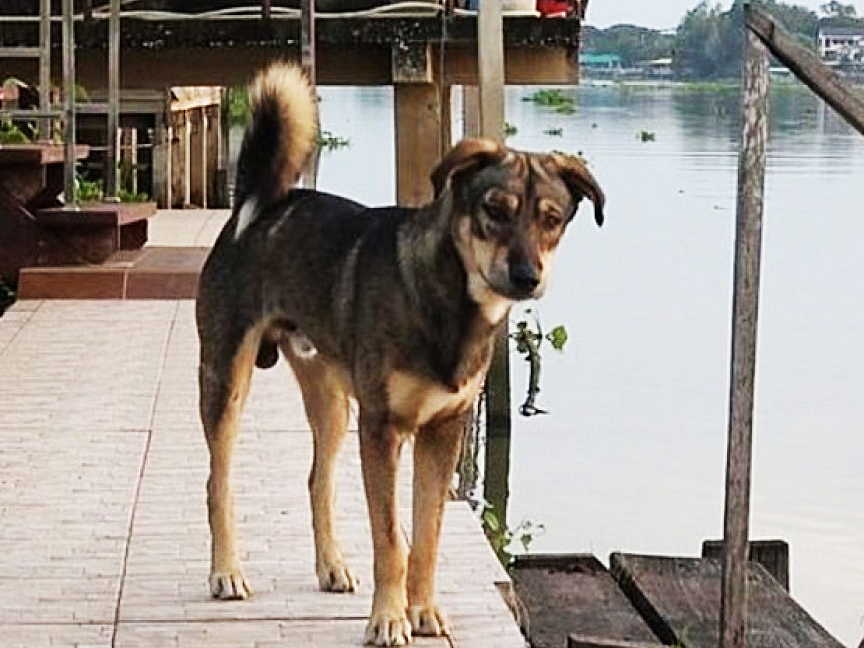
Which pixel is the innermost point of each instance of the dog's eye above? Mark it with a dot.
(551, 220)
(496, 212)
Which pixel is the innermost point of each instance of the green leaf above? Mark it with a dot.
(557, 337)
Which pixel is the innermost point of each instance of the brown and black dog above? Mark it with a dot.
(394, 307)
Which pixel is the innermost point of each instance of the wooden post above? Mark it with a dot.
(490, 62)
(111, 188)
(69, 104)
(307, 61)
(748, 240)
(418, 145)
(45, 125)
(490, 69)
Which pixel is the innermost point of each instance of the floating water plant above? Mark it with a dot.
(555, 99)
(327, 141)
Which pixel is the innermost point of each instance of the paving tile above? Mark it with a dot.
(56, 636)
(99, 435)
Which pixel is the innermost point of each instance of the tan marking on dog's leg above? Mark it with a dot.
(222, 399)
(325, 397)
(436, 451)
(380, 446)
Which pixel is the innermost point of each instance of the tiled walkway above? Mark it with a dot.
(103, 531)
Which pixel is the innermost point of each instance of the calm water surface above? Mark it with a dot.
(632, 456)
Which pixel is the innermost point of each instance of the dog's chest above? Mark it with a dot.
(419, 401)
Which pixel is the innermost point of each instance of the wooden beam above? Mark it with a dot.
(748, 243)
(806, 66)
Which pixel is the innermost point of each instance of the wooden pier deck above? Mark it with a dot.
(103, 527)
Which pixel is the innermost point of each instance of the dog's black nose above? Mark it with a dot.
(523, 277)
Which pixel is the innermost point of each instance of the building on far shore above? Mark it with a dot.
(842, 44)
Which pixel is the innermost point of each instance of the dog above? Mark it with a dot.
(394, 307)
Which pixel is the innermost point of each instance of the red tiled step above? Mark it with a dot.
(148, 273)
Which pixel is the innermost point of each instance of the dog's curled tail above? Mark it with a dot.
(279, 139)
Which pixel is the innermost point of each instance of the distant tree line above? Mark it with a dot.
(707, 43)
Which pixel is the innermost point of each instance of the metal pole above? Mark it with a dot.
(111, 188)
(748, 242)
(45, 68)
(69, 104)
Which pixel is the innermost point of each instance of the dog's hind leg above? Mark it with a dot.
(436, 451)
(325, 391)
(224, 375)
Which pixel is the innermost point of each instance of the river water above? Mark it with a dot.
(632, 455)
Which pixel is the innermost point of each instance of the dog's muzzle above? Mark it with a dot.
(524, 279)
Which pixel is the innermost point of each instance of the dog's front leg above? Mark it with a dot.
(436, 451)
(380, 447)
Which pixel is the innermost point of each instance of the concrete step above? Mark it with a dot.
(148, 273)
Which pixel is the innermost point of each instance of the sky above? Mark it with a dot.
(663, 14)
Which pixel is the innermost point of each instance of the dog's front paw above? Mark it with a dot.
(427, 621)
(335, 576)
(388, 630)
(229, 585)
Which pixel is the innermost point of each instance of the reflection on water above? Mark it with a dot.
(632, 457)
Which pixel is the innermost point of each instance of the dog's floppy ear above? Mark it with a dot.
(580, 182)
(465, 155)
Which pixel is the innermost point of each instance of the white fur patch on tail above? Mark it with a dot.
(245, 216)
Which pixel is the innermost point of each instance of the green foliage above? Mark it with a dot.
(633, 44)
(510, 129)
(11, 134)
(504, 539)
(645, 136)
(128, 196)
(327, 141)
(528, 342)
(557, 337)
(838, 9)
(80, 94)
(88, 190)
(709, 42)
(555, 99)
(554, 132)
(7, 296)
(235, 106)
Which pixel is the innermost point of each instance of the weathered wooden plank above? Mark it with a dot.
(573, 595)
(806, 66)
(680, 600)
(745, 307)
(773, 555)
